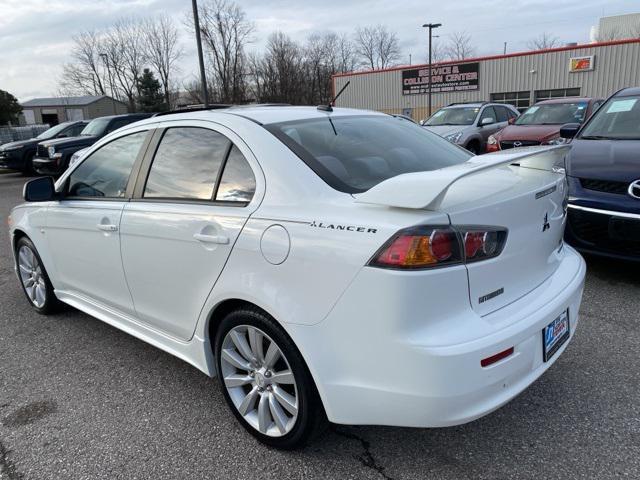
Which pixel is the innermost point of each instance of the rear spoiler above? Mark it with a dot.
(426, 190)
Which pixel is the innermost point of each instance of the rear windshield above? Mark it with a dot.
(355, 153)
(554, 114)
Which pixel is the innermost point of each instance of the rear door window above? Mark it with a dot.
(238, 184)
(186, 164)
(501, 113)
(354, 153)
(488, 112)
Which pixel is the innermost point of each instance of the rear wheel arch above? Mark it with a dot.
(17, 235)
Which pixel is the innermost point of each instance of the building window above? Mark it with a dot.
(557, 93)
(520, 100)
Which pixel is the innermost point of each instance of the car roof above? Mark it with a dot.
(628, 92)
(124, 115)
(266, 114)
(564, 100)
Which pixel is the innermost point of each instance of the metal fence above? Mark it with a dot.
(12, 134)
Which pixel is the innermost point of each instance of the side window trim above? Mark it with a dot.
(135, 171)
(145, 170)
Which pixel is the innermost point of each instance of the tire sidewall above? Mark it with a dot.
(308, 410)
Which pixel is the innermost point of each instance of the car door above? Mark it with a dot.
(180, 227)
(83, 227)
(490, 129)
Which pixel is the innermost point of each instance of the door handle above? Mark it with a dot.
(107, 228)
(220, 239)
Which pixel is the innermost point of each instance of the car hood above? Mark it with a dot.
(444, 130)
(528, 132)
(614, 160)
(59, 143)
(20, 143)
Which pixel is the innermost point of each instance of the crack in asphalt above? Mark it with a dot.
(7, 467)
(366, 458)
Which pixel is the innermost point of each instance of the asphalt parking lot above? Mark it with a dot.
(82, 400)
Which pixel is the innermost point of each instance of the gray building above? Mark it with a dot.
(617, 27)
(55, 110)
(521, 79)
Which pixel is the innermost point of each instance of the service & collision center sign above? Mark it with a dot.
(444, 78)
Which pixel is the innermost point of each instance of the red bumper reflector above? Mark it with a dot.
(496, 358)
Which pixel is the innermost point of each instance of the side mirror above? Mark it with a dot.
(512, 120)
(39, 190)
(62, 135)
(422, 122)
(569, 130)
(487, 121)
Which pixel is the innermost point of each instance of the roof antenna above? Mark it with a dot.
(329, 108)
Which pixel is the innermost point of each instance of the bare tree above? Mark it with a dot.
(225, 33)
(439, 52)
(460, 46)
(543, 41)
(376, 46)
(85, 75)
(162, 51)
(126, 57)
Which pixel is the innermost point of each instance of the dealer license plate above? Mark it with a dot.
(554, 335)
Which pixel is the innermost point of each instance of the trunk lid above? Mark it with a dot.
(528, 203)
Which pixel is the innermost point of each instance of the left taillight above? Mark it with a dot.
(438, 246)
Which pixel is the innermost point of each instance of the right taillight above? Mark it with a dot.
(428, 247)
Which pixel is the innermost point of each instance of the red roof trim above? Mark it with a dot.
(492, 57)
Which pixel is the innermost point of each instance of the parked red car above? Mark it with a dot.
(540, 124)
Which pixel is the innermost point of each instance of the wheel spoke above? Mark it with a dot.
(24, 269)
(24, 258)
(237, 380)
(283, 377)
(273, 353)
(40, 295)
(28, 283)
(241, 344)
(264, 415)
(255, 340)
(285, 399)
(249, 402)
(234, 358)
(32, 292)
(279, 417)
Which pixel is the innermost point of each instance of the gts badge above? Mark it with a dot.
(491, 295)
(348, 228)
(545, 225)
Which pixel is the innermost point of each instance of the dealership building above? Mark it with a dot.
(521, 79)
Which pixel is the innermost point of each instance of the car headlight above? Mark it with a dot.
(492, 140)
(557, 141)
(454, 137)
(52, 151)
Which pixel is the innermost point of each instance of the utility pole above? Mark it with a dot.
(431, 27)
(505, 48)
(203, 78)
(105, 59)
(409, 59)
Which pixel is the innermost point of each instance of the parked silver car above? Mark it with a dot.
(470, 124)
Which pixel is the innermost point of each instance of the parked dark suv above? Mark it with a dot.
(53, 156)
(603, 170)
(19, 155)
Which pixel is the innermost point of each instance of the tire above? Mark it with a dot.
(473, 147)
(278, 413)
(39, 293)
(27, 168)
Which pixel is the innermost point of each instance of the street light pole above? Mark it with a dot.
(203, 79)
(431, 27)
(105, 59)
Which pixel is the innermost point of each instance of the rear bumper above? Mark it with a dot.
(378, 359)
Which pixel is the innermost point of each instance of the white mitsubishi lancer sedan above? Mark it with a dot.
(325, 264)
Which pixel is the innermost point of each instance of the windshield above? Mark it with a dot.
(554, 114)
(618, 119)
(453, 116)
(354, 153)
(53, 131)
(95, 127)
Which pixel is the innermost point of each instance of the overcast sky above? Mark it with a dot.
(35, 35)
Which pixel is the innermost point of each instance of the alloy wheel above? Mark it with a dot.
(31, 276)
(259, 380)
